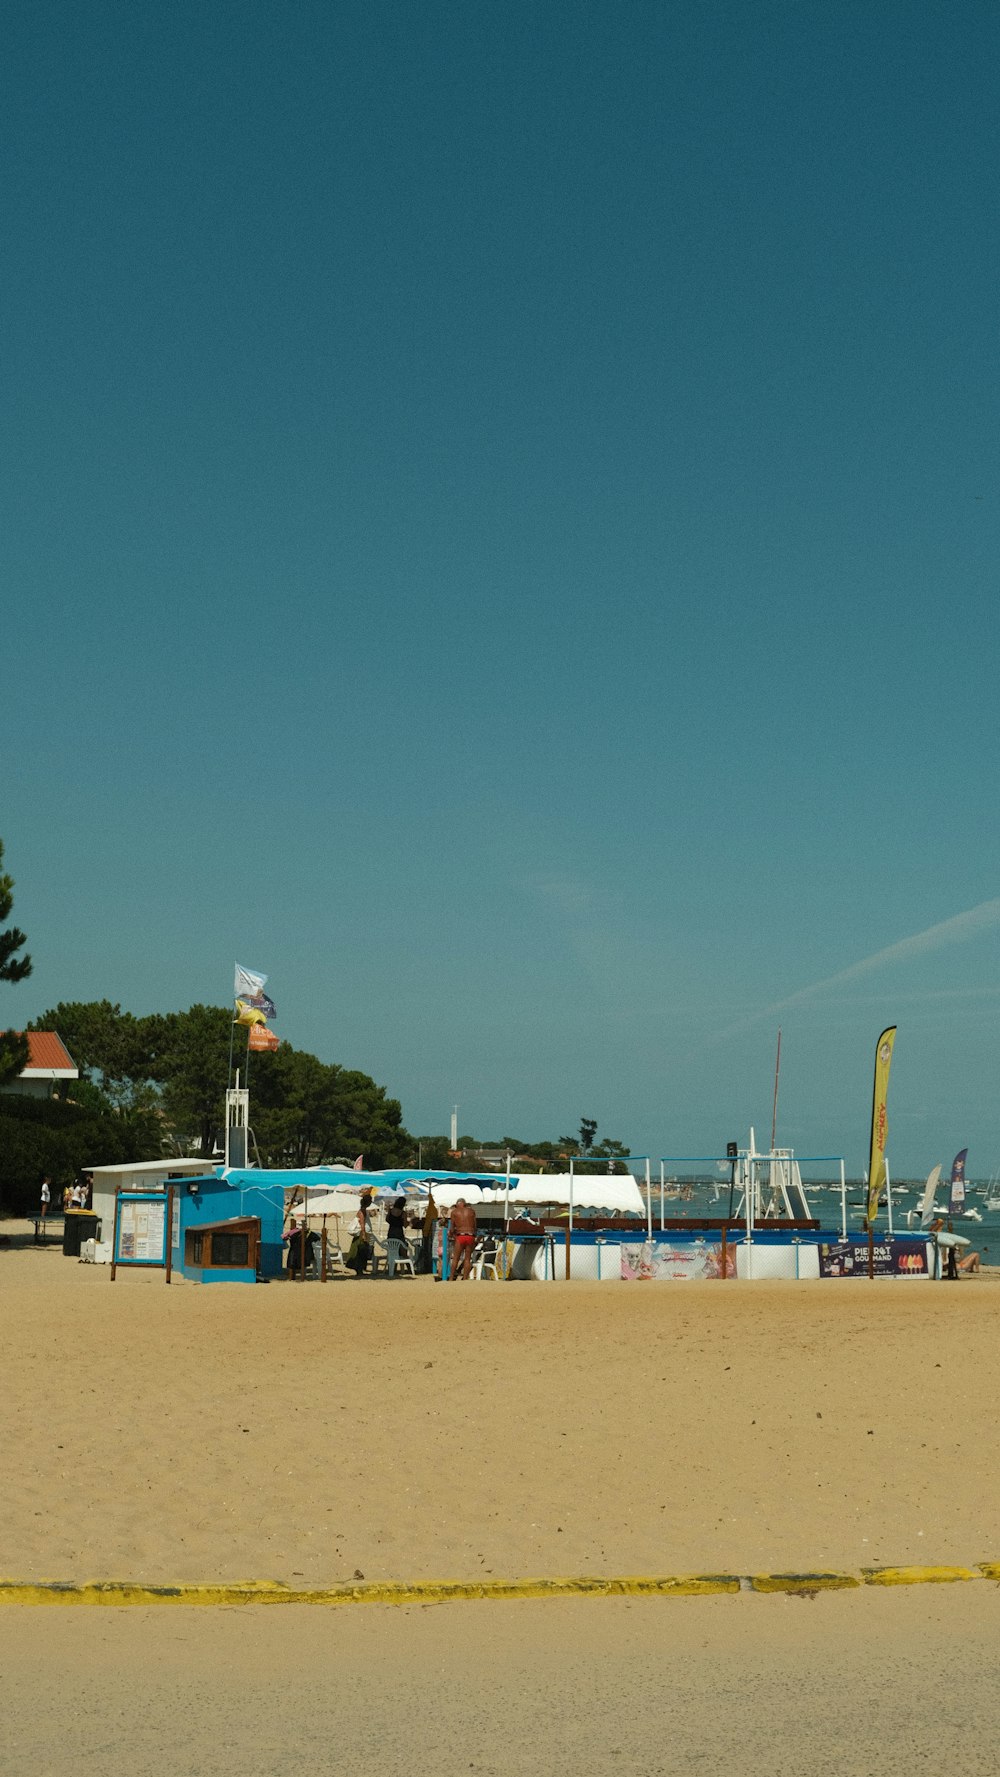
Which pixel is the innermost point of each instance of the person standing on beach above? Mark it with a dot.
(427, 1235)
(360, 1250)
(463, 1234)
(396, 1226)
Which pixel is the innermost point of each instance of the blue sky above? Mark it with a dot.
(501, 533)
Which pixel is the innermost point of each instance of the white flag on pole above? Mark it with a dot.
(248, 983)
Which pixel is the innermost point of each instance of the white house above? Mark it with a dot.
(48, 1062)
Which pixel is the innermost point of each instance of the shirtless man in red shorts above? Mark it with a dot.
(462, 1229)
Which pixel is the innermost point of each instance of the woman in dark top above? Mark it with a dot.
(396, 1225)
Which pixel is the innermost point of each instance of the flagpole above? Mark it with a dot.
(249, 985)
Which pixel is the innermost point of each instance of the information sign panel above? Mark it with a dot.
(141, 1232)
(142, 1220)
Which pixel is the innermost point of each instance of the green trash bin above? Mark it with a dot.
(78, 1225)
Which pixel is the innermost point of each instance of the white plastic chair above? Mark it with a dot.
(398, 1260)
(493, 1262)
(336, 1263)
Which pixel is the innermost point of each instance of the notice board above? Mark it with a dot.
(142, 1225)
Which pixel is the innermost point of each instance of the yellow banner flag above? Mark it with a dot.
(248, 1014)
(880, 1125)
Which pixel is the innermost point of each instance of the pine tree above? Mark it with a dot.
(13, 1047)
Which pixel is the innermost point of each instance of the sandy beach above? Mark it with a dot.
(313, 1434)
(409, 1430)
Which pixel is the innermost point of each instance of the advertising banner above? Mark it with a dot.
(657, 1260)
(893, 1258)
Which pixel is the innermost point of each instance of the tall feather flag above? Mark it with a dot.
(880, 1123)
(956, 1195)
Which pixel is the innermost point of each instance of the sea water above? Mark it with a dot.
(824, 1202)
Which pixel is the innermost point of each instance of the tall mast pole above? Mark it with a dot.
(774, 1108)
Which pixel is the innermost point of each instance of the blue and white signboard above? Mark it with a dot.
(141, 1228)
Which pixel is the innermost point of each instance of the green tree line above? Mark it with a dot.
(164, 1078)
(154, 1086)
(547, 1156)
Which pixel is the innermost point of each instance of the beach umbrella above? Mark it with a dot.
(331, 1203)
(322, 1198)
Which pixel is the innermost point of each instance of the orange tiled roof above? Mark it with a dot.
(47, 1052)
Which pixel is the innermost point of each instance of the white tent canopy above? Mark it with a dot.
(590, 1190)
(446, 1196)
(599, 1191)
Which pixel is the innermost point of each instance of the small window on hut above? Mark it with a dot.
(231, 1249)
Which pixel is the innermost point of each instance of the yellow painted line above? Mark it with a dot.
(118, 1593)
(801, 1584)
(918, 1576)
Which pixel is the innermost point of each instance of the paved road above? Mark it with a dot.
(857, 1683)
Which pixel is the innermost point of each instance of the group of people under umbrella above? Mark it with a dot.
(413, 1232)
